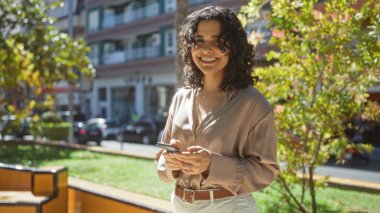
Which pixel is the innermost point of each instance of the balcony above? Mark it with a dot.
(127, 17)
(112, 20)
(131, 55)
(94, 60)
(194, 2)
(114, 58)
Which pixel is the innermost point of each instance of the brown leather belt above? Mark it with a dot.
(190, 195)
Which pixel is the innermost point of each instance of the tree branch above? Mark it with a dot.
(317, 84)
(316, 151)
(352, 79)
(300, 205)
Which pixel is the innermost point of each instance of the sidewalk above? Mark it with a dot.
(357, 170)
(375, 155)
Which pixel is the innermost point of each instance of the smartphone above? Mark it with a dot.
(168, 147)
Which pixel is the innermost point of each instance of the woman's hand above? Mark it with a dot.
(195, 161)
(172, 162)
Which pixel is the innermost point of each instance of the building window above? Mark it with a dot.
(122, 104)
(61, 12)
(170, 43)
(103, 112)
(157, 101)
(170, 38)
(102, 92)
(170, 6)
(109, 47)
(194, 2)
(93, 21)
(94, 54)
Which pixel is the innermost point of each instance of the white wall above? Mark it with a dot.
(123, 81)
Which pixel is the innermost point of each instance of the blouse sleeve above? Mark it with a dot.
(256, 169)
(164, 173)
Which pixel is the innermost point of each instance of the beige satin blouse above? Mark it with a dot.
(240, 134)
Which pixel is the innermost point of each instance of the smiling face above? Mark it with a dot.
(206, 53)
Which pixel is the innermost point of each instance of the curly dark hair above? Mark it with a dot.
(232, 37)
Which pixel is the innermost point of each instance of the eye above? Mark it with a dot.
(222, 45)
(198, 41)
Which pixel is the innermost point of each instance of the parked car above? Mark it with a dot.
(109, 129)
(355, 155)
(77, 127)
(96, 129)
(16, 129)
(143, 131)
(88, 132)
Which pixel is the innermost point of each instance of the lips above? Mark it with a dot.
(208, 59)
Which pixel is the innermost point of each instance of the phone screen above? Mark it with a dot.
(168, 147)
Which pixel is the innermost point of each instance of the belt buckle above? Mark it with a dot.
(188, 199)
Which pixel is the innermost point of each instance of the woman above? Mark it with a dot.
(223, 126)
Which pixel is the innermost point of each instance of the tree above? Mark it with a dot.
(34, 55)
(327, 54)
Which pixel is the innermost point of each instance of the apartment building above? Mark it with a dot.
(133, 46)
(81, 93)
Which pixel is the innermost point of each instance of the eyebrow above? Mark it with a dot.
(200, 36)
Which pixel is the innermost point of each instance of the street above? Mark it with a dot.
(362, 172)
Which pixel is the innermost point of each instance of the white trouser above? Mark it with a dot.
(241, 204)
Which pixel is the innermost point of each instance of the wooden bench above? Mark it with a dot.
(41, 190)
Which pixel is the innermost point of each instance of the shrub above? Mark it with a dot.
(55, 131)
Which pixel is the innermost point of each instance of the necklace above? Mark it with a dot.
(201, 108)
(206, 103)
(204, 98)
(209, 100)
(202, 102)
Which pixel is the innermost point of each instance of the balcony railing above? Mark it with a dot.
(141, 13)
(131, 55)
(94, 60)
(112, 20)
(194, 2)
(114, 58)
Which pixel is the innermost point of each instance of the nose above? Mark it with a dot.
(207, 49)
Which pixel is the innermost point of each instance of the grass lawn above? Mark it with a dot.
(138, 175)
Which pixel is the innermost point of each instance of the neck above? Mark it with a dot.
(211, 84)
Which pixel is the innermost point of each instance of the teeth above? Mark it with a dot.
(208, 59)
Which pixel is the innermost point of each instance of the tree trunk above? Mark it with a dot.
(304, 183)
(180, 15)
(284, 184)
(312, 189)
